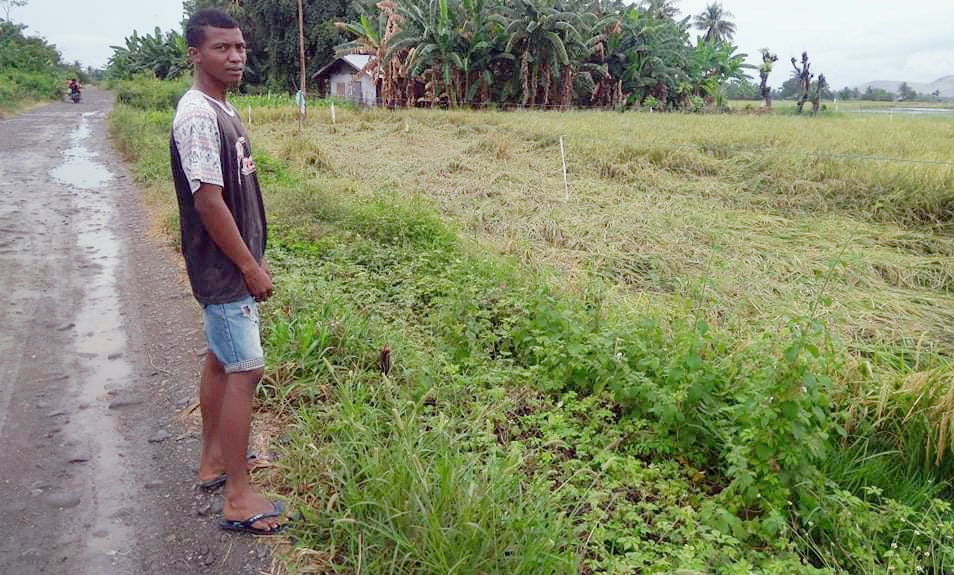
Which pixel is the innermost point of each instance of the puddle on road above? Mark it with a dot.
(99, 343)
(80, 169)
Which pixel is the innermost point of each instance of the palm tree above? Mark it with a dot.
(713, 21)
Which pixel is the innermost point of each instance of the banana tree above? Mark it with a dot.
(714, 64)
(165, 56)
(433, 43)
(537, 35)
(480, 31)
(656, 57)
(373, 33)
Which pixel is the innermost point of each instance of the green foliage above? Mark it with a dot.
(414, 492)
(742, 89)
(906, 92)
(877, 94)
(544, 53)
(524, 428)
(147, 93)
(30, 68)
(271, 32)
(164, 56)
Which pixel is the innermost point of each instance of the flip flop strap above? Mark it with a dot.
(275, 512)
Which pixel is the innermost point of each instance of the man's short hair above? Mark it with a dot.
(195, 27)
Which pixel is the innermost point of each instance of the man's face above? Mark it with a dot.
(221, 55)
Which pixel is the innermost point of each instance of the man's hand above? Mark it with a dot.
(258, 281)
(265, 267)
(220, 224)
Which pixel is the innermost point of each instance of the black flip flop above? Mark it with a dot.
(213, 483)
(246, 526)
(219, 481)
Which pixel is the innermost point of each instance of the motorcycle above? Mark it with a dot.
(75, 96)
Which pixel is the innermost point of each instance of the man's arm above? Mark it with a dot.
(220, 224)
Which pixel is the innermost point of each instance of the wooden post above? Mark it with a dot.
(566, 185)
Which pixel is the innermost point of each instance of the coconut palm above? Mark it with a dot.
(714, 21)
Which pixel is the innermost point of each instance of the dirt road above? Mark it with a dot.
(99, 349)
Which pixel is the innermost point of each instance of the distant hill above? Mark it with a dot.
(945, 85)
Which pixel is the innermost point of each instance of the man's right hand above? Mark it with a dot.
(258, 281)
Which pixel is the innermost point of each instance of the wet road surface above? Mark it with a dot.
(100, 347)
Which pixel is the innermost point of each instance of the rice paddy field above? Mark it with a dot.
(761, 217)
(722, 344)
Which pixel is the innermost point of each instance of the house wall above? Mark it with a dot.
(343, 86)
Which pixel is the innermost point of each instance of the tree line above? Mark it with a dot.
(905, 92)
(271, 33)
(30, 67)
(535, 53)
(545, 53)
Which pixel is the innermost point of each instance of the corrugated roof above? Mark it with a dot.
(359, 61)
(356, 61)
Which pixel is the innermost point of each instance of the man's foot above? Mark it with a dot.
(212, 475)
(252, 513)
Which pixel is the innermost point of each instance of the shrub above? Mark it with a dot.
(148, 93)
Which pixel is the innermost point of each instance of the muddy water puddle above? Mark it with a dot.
(99, 342)
(80, 168)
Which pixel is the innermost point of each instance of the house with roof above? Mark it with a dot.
(347, 77)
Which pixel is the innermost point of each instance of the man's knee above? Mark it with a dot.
(250, 377)
(213, 363)
(243, 383)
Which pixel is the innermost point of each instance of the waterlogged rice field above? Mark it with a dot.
(723, 346)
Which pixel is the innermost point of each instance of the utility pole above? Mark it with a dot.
(301, 46)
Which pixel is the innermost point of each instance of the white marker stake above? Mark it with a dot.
(566, 186)
(333, 122)
(249, 114)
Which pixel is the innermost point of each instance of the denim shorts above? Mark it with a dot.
(232, 332)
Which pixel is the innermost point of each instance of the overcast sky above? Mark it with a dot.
(850, 41)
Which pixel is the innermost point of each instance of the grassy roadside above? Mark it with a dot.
(22, 91)
(535, 424)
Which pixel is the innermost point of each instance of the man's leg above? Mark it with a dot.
(211, 392)
(241, 501)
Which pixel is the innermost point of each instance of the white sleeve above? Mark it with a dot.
(196, 132)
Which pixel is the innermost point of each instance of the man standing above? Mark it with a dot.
(223, 241)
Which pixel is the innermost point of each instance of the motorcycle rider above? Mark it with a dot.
(74, 87)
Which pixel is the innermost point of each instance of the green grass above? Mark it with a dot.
(18, 88)
(727, 352)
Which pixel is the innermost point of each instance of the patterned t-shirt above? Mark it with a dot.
(209, 145)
